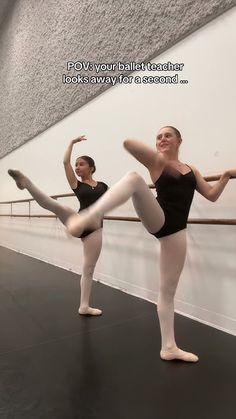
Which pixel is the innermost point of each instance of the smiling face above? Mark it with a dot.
(168, 141)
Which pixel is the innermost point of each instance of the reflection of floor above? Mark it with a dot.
(56, 364)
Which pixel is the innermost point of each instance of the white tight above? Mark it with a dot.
(91, 244)
(172, 258)
(132, 186)
(173, 247)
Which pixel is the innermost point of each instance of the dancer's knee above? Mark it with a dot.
(134, 177)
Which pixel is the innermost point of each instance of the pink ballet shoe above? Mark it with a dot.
(18, 177)
(178, 354)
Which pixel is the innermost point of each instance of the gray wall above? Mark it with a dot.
(37, 38)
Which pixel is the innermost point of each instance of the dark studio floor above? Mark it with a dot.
(59, 365)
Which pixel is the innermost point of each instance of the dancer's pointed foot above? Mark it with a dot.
(89, 311)
(19, 178)
(77, 223)
(178, 354)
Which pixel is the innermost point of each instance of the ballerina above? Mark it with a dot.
(88, 190)
(165, 217)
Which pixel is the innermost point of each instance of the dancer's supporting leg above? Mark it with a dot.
(45, 201)
(92, 245)
(132, 186)
(172, 257)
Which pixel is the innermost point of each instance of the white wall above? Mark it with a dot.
(204, 111)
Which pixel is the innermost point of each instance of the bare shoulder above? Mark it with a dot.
(194, 169)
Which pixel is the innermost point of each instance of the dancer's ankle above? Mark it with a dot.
(171, 347)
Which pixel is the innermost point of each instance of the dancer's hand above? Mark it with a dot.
(67, 164)
(230, 173)
(79, 139)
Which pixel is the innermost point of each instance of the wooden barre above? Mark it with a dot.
(66, 195)
(210, 221)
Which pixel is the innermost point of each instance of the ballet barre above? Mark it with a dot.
(66, 195)
(210, 221)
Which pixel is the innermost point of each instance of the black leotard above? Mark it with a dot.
(87, 195)
(174, 194)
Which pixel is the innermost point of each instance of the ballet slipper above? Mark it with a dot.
(89, 311)
(18, 177)
(178, 354)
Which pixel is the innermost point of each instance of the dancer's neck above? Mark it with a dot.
(171, 157)
(88, 179)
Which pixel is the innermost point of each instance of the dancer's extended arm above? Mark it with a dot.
(212, 192)
(70, 174)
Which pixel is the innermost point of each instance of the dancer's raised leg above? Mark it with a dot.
(131, 185)
(92, 245)
(172, 257)
(61, 211)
